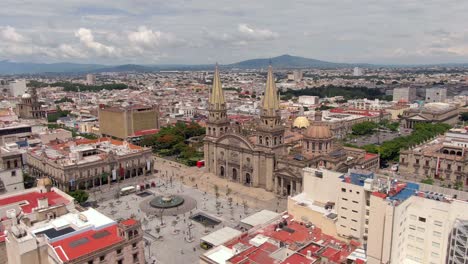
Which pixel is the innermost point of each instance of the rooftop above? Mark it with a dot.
(84, 243)
(27, 201)
(284, 240)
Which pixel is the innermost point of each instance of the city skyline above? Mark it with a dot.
(401, 32)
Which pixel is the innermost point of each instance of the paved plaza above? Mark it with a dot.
(174, 237)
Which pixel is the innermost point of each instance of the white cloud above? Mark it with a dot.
(87, 39)
(255, 33)
(9, 34)
(147, 38)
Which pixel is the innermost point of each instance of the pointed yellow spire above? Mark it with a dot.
(270, 98)
(217, 93)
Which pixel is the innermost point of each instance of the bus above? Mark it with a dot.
(127, 190)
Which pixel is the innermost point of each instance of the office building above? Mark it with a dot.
(17, 87)
(358, 71)
(128, 122)
(405, 94)
(90, 79)
(436, 95)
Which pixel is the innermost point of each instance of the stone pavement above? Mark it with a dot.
(176, 239)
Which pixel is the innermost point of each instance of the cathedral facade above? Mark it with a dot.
(263, 157)
(245, 158)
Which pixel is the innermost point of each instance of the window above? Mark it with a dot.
(412, 217)
(412, 227)
(344, 199)
(354, 211)
(436, 244)
(354, 220)
(434, 254)
(437, 223)
(119, 251)
(355, 202)
(353, 229)
(357, 192)
(120, 261)
(343, 189)
(437, 234)
(417, 161)
(350, 190)
(90, 262)
(135, 257)
(102, 258)
(343, 217)
(421, 229)
(13, 173)
(422, 219)
(427, 163)
(344, 208)
(449, 166)
(134, 245)
(458, 168)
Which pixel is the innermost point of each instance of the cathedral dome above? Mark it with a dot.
(301, 122)
(318, 132)
(26, 96)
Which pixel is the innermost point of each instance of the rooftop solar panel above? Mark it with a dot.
(100, 234)
(79, 242)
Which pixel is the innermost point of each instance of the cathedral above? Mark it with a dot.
(263, 157)
(29, 107)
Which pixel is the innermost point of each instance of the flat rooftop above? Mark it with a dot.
(28, 201)
(84, 243)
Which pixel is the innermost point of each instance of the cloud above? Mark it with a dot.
(9, 34)
(87, 39)
(255, 33)
(147, 38)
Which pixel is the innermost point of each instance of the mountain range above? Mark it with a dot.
(283, 61)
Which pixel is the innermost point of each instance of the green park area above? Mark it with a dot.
(172, 142)
(390, 150)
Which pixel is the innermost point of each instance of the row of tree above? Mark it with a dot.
(75, 87)
(172, 141)
(345, 91)
(390, 150)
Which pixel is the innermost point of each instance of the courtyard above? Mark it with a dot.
(172, 234)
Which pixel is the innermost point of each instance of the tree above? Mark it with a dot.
(464, 116)
(364, 128)
(80, 196)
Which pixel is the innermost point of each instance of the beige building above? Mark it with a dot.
(405, 94)
(82, 164)
(11, 171)
(52, 230)
(444, 158)
(58, 135)
(430, 113)
(125, 122)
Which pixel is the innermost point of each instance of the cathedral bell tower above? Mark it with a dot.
(218, 121)
(270, 133)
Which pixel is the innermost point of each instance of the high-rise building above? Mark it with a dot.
(358, 71)
(17, 87)
(132, 120)
(435, 95)
(90, 79)
(404, 94)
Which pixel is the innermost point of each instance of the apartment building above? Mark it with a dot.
(51, 230)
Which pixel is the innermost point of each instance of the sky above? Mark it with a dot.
(208, 31)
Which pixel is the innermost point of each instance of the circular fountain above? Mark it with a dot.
(166, 201)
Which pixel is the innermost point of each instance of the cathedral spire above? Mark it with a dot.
(217, 94)
(270, 99)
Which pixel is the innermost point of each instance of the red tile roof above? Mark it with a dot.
(128, 222)
(30, 200)
(66, 251)
(298, 259)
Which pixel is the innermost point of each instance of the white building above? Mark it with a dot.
(434, 95)
(405, 94)
(358, 71)
(308, 100)
(90, 79)
(17, 87)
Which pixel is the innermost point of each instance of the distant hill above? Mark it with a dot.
(283, 62)
(287, 61)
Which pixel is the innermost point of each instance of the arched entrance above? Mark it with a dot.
(234, 174)
(221, 171)
(247, 179)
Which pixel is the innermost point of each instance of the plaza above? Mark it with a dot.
(172, 235)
